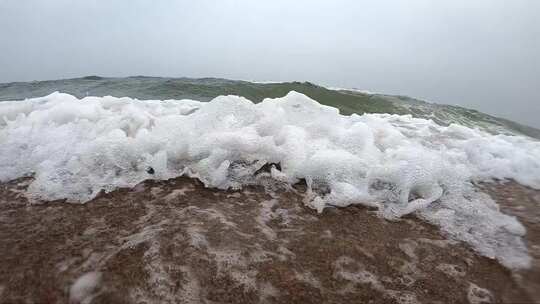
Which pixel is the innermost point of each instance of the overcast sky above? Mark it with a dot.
(482, 54)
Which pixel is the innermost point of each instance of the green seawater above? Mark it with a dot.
(205, 89)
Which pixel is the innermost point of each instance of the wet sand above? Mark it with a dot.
(176, 241)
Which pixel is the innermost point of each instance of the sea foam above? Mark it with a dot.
(397, 164)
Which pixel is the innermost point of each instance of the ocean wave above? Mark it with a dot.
(76, 148)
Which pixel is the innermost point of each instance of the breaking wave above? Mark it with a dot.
(76, 148)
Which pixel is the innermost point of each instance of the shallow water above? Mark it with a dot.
(177, 241)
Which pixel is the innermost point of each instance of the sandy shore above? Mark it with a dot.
(178, 242)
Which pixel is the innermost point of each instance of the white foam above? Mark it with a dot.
(478, 295)
(84, 288)
(348, 269)
(367, 92)
(399, 164)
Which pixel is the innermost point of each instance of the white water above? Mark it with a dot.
(83, 290)
(399, 164)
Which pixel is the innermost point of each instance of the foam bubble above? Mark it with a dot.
(84, 288)
(398, 164)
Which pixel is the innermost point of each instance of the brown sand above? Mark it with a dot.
(178, 242)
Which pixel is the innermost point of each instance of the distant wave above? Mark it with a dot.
(368, 92)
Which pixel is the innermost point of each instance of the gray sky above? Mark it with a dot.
(482, 54)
